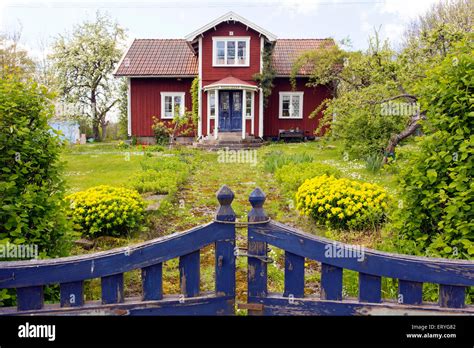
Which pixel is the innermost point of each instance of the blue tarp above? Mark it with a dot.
(69, 129)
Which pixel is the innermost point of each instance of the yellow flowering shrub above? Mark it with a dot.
(106, 210)
(342, 203)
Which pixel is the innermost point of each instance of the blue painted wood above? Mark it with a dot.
(294, 275)
(171, 305)
(225, 196)
(410, 292)
(452, 296)
(224, 249)
(30, 298)
(257, 269)
(152, 282)
(405, 267)
(331, 282)
(72, 294)
(230, 110)
(112, 289)
(29, 277)
(276, 304)
(39, 272)
(370, 288)
(222, 305)
(189, 274)
(225, 267)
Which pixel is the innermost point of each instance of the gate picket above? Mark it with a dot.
(454, 277)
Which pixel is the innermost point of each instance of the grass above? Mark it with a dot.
(91, 165)
(195, 202)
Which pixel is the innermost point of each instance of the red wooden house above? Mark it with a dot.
(225, 55)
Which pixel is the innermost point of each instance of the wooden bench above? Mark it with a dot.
(291, 135)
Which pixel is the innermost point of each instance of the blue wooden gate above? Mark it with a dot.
(29, 277)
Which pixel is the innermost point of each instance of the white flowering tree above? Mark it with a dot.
(84, 62)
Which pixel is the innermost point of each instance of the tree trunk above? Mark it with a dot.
(95, 119)
(104, 131)
(172, 136)
(396, 138)
(95, 130)
(103, 125)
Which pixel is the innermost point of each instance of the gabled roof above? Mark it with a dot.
(175, 58)
(230, 82)
(286, 51)
(158, 57)
(230, 16)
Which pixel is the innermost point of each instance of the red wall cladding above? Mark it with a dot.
(312, 98)
(211, 74)
(146, 100)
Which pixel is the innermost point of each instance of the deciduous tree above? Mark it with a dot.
(84, 62)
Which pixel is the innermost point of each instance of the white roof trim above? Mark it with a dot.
(229, 86)
(230, 16)
(123, 57)
(157, 76)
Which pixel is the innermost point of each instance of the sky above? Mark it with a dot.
(42, 21)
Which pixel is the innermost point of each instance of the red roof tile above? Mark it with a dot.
(174, 57)
(286, 51)
(157, 57)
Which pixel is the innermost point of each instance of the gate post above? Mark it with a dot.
(257, 268)
(225, 258)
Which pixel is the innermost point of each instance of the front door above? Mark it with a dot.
(230, 111)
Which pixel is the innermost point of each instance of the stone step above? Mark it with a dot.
(230, 142)
(217, 147)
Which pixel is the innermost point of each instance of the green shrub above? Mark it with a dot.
(155, 148)
(277, 159)
(122, 145)
(292, 175)
(165, 162)
(162, 131)
(161, 182)
(106, 210)
(374, 162)
(162, 175)
(342, 203)
(33, 210)
(437, 218)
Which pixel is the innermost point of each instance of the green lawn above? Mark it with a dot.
(195, 203)
(92, 165)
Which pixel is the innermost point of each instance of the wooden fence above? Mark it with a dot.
(30, 277)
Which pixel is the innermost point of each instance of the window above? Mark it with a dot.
(237, 100)
(211, 104)
(291, 105)
(249, 104)
(231, 51)
(172, 103)
(241, 52)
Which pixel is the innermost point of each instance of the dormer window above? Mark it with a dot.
(231, 51)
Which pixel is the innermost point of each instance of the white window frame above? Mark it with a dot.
(226, 39)
(209, 104)
(291, 95)
(172, 95)
(252, 111)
